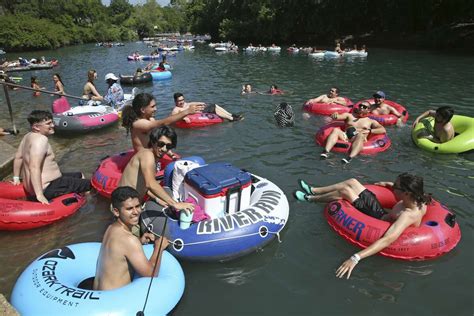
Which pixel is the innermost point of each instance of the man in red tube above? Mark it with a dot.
(35, 161)
(357, 128)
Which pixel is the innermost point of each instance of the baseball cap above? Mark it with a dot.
(110, 76)
(379, 94)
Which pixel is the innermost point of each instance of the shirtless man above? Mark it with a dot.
(409, 210)
(381, 108)
(35, 162)
(181, 105)
(331, 98)
(141, 169)
(443, 128)
(139, 119)
(358, 128)
(121, 253)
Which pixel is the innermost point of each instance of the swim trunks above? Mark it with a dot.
(69, 182)
(210, 108)
(351, 132)
(368, 204)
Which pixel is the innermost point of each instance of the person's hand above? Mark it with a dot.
(334, 116)
(165, 243)
(384, 184)
(195, 108)
(365, 131)
(346, 267)
(16, 180)
(146, 238)
(399, 122)
(42, 199)
(187, 119)
(188, 208)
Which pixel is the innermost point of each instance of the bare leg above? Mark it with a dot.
(357, 145)
(348, 190)
(221, 112)
(333, 137)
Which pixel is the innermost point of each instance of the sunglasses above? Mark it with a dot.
(332, 91)
(363, 106)
(160, 144)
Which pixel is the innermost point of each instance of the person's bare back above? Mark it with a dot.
(133, 176)
(32, 149)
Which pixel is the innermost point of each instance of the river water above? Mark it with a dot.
(295, 276)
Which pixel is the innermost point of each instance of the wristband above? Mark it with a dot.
(15, 178)
(355, 258)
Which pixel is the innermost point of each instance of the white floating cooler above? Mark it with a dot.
(219, 188)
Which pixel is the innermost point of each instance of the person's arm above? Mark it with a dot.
(95, 94)
(394, 111)
(38, 153)
(136, 256)
(341, 117)
(318, 99)
(386, 184)
(392, 234)
(340, 100)
(145, 125)
(422, 116)
(17, 162)
(376, 128)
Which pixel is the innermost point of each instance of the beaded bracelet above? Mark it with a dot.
(355, 258)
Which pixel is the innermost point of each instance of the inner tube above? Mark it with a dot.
(438, 233)
(462, 142)
(231, 236)
(199, 120)
(132, 80)
(85, 118)
(388, 119)
(107, 175)
(161, 75)
(375, 143)
(50, 286)
(19, 214)
(321, 108)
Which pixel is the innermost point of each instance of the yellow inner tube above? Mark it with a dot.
(462, 142)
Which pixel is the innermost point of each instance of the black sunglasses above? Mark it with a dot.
(363, 106)
(160, 144)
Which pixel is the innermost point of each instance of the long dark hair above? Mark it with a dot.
(131, 113)
(414, 184)
(59, 77)
(166, 131)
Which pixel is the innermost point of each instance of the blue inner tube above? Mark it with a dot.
(49, 286)
(161, 75)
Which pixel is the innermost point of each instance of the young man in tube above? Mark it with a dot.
(35, 162)
(358, 127)
(443, 130)
(181, 105)
(121, 253)
(409, 210)
(331, 98)
(381, 108)
(141, 169)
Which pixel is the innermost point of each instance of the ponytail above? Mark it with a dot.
(128, 117)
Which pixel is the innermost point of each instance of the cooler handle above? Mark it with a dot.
(237, 189)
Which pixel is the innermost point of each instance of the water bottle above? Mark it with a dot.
(185, 219)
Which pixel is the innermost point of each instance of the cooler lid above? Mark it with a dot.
(214, 177)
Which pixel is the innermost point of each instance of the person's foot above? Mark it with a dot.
(301, 196)
(237, 117)
(306, 187)
(324, 155)
(346, 160)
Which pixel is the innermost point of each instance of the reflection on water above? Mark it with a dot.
(297, 275)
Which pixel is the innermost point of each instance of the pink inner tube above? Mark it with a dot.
(97, 119)
(327, 108)
(375, 143)
(200, 120)
(388, 119)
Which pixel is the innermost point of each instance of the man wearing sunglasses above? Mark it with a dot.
(141, 169)
(381, 108)
(358, 126)
(331, 98)
(35, 161)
